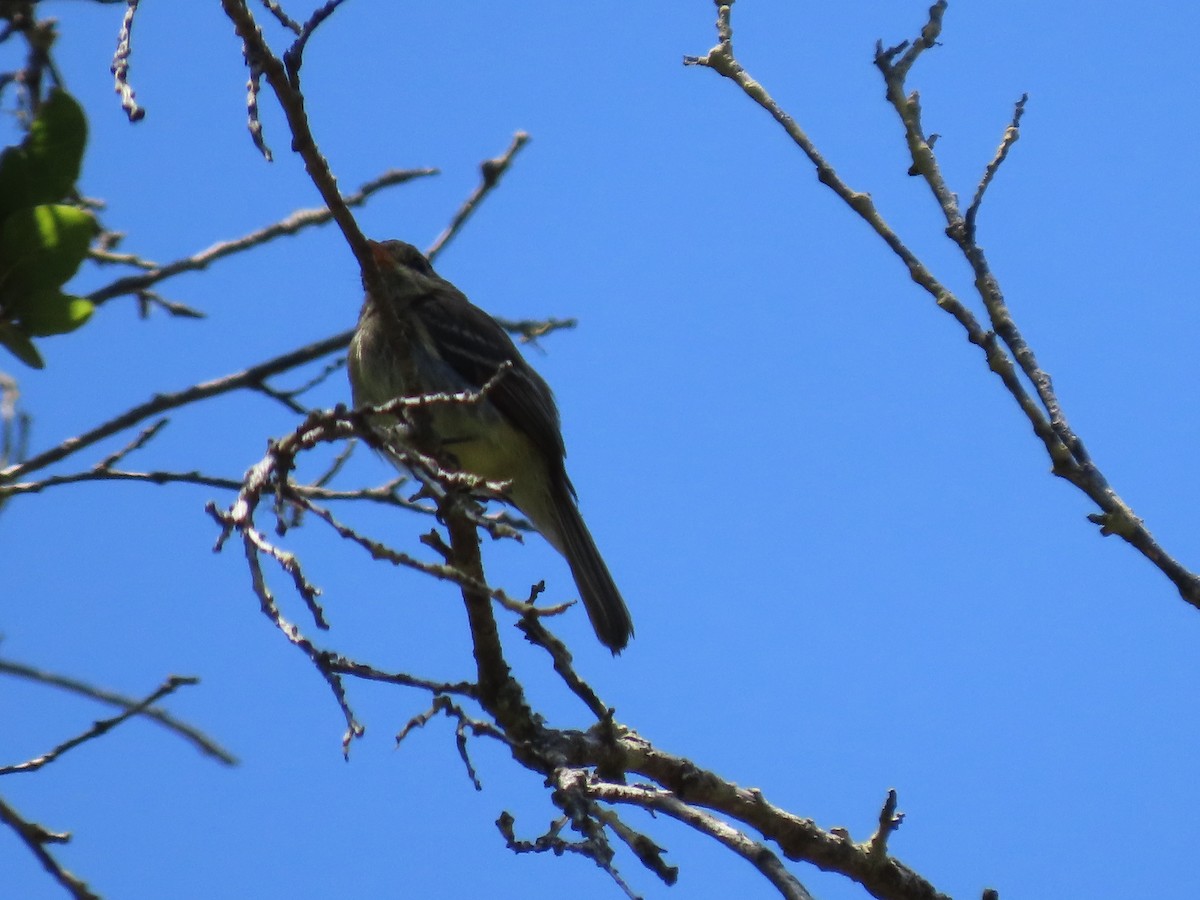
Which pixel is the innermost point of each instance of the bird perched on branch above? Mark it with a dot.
(426, 337)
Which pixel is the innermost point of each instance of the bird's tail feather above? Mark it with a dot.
(607, 611)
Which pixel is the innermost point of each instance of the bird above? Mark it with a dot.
(426, 337)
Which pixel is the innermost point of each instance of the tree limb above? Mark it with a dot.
(1005, 350)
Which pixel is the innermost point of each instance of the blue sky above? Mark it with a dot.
(847, 563)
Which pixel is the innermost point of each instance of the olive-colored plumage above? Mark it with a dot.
(427, 330)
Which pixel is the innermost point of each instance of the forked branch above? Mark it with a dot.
(1006, 352)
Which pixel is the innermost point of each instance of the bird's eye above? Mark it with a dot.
(414, 259)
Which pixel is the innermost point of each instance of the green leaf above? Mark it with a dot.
(56, 143)
(46, 165)
(15, 181)
(41, 247)
(20, 346)
(50, 311)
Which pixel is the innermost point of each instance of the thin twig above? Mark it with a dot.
(293, 224)
(202, 742)
(889, 821)
(294, 57)
(754, 852)
(463, 724)
(157, 478)
(1011, 134)
(147, 300)
(146, 435)
(161, 403)
(101, 727)
(120, 65)
(491, 171)
(253, 121)
(529, 330)
(370, 673)
(538, 634)
(553, 842)
(252, 543)
(284, 19)
(36, 837)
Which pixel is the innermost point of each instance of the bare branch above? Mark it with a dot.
(912, 49)
(260, 58)
(120, 65)
(293, 224)
(539, 635)
(584, 768)
(552, 842)
(101, 727)
(529, 330)
(662, 801)
(147, 300)
(492, 170)
(889, 821)
(463, 724)
(161, 403)
(368, 673)
(136, 444)
(1011, 134)
(36, 837)
(202, 742)
(608, 748)
(1005, 349)
(253, 122)
(284, 19)
(294, 57)
(159, 478)
(797, 838)
(271, 473)
(252, 543)
(649, 854)
(499, 693)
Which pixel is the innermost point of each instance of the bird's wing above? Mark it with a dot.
(473, 344)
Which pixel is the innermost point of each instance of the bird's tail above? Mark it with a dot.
(607, 611)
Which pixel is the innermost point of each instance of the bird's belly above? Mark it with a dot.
(492, 448)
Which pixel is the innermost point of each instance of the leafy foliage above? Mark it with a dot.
(43, 240)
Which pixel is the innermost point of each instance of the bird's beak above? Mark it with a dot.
(382, 258)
